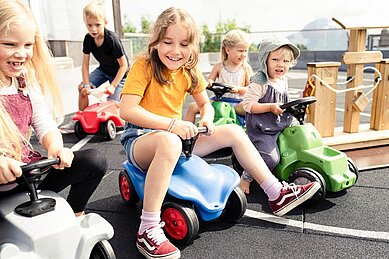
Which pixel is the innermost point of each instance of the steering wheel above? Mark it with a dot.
(298, 107)
(188, 144)
(31, 175)
(34, 168)
(219, 89)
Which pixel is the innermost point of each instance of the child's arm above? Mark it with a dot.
(248, 73)
(123, 66)
(9, 169)
(214, 74)
(85, 69)
(251, 104)
(207, 112)
(53, 143)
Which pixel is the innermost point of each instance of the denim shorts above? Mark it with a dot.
(130, 135)
(98, 77)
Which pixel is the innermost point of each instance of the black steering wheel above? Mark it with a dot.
(188, 144)
(298, 107)
(31, 175)
(35, 168)
(219, 89)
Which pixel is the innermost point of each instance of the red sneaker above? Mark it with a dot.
(154, 244)
(293, 195)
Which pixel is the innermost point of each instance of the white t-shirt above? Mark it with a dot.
(42, 120)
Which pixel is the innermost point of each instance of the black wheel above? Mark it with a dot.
(102, 250)
(236, 206)
(127, 190)
(353, 168)
(181, 222)
(79, 130)
(235, 164)
(109, 129)
(306, 175)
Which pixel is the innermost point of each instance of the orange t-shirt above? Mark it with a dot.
(164, 100)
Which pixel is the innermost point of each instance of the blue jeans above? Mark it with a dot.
(97, 77)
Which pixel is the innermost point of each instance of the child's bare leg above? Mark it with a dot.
(282, 197)
(191, 113)
(244, 185)
(233, 136)
(158, 153)
(245, 181)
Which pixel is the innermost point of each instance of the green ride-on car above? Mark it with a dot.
(304, 158)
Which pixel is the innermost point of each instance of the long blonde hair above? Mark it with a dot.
(38, 72)
(169, 17)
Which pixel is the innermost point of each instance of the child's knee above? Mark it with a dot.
(169, 143)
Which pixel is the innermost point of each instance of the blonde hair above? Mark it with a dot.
(38, 72)
(169, 17)
(287, 52)
(94, 9)
(232, 39)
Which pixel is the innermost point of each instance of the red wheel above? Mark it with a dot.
(127, 190)
(181, 222)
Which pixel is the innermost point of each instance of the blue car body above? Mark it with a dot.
(206, 186)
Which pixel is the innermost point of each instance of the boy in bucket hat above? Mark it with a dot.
(268, 89)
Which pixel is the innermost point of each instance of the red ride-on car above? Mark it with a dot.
(99, 118)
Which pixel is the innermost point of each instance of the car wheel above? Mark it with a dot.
(110, 129)
(306, 175)
(236, 206)
(353, 168)
(79, 130)
(181, 222)
(102, 250)
(236, 165)
(127, 190)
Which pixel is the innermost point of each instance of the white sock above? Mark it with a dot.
(149, 219)
(272, 187)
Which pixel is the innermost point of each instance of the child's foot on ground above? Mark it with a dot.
(154, 244)
(291, 196)
(244, 186)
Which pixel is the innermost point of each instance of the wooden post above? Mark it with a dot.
(357, 42)
(325, 98)
(117, 18)
(380, 105)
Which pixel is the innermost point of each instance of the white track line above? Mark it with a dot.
(81, 143)
(373, 235)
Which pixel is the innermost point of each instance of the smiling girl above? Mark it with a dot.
(152, 98)
(27, 86)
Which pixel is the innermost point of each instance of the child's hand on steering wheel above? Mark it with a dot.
(184, 129)
(275, 108)
(210, 83)
(235, 89)
(209, 125)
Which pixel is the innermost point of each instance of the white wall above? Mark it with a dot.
(62, 19)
